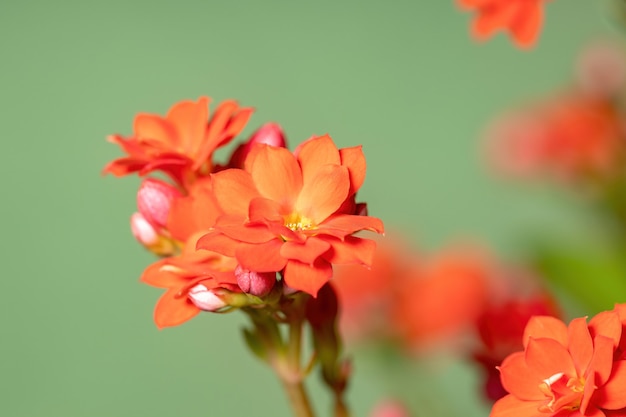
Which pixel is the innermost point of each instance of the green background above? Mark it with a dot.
(403, 78)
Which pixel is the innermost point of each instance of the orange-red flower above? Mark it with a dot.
(522, 18)
(571, 137)
(182, 143)
(183, 275)
(565, 371)
(501, 330)
(442, 297)
(287, 212)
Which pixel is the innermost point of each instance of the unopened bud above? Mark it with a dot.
(256, 283)
(150, 238)
(154, 200)
(601, 70)
(205, 299)
(268, 134)
(143, 230)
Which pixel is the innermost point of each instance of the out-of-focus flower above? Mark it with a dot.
(521, 18)
(182, 143)
(501, 329)
(285, 212)
(565, 371)
(367, 295)
(390, 408)
(443, 297)
(571, 137)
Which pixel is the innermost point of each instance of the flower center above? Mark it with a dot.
(298, 222)
(562, 392)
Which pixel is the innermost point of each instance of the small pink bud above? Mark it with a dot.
(269, 134)
(601, 70)
(255, 283)
(205, 299)
(390, 408)
(154, 200)
(142, 230)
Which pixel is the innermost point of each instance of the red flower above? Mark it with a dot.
(442, 297)
(181, 144)
(571, 137)
(287, 212)
(501, 330)
(522, 18)
(183, 275)
(565, 371)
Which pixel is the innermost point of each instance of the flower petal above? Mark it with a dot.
(218, 242)
(518, 379)
(509, 406)
(612, 396)
(546, 357)
(602, 360)
(309, 279)
(606, 323)
(262, 257)
(525, 27)
(275, 173)
(580, 344)
(172, 309)
(316, 152)
(306, 252)
(323, 193)
(354, 159)
(233, 190)
(345, 224)
(546, 326)
(156, 129)
(351, 250)
(189, 119)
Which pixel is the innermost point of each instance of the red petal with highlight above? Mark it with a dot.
(306, 252)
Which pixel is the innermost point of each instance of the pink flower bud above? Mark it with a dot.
(142, 230)
(154, 200)
(255, 283)
(390, 408)
(205, 299)
(269, 134)
(601, 70)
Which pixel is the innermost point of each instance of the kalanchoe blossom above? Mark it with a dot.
(288, 213)
(182, 143)
(521, 18)
(501, 329)
(192, 278)
(565, 371)
(573, 137)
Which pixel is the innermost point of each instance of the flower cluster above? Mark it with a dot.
(268, 221)
(567, 370)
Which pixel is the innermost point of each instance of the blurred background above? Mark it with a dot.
(402, 78)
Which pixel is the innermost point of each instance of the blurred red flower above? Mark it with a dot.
(572, 137)
(522, 18)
